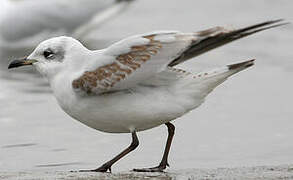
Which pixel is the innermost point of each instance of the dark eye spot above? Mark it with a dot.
(48, 54)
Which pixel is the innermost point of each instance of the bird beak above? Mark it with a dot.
(21, 62)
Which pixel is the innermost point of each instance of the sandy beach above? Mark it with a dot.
(257, 173)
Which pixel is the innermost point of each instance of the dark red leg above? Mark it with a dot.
(107, 166)
(164, 162)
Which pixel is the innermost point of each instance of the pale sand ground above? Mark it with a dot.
(257, 173)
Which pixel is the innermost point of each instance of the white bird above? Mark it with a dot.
(132, 85)
(26, 23)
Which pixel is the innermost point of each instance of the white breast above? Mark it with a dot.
(140, 109)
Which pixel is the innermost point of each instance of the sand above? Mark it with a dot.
(259, 172)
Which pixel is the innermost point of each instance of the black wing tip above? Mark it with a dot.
(242, 65)
(279, 20)
(269, 22)
(262, 26)
(276, 23)
(212, 42)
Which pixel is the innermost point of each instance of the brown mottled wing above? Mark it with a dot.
(133, 60)
(139, 58)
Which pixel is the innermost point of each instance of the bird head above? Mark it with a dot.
(53, 56)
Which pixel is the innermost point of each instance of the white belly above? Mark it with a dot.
(125, 112)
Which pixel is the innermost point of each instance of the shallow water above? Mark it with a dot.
(245, 121)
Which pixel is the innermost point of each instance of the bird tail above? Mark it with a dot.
(225, 71)
(203, 83)
(215, 37)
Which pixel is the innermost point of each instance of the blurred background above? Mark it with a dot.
(246, 121)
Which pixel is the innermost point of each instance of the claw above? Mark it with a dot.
(84, 171)
(154, 169)
(103, 169)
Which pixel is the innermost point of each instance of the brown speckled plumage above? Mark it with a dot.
(107, 76)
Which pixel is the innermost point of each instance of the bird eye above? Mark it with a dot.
(48, 54)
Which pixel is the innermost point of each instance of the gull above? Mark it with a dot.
(132, 85)
(26, 23)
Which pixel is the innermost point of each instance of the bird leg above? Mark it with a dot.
(107, 166)
(164, 161)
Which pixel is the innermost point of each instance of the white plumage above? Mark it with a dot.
(148, 96)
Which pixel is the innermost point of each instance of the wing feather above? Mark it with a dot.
(139, 58)
(135, 59)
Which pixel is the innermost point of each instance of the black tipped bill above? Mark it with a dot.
(21, 62)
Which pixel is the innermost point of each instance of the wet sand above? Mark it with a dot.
(257, 173)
